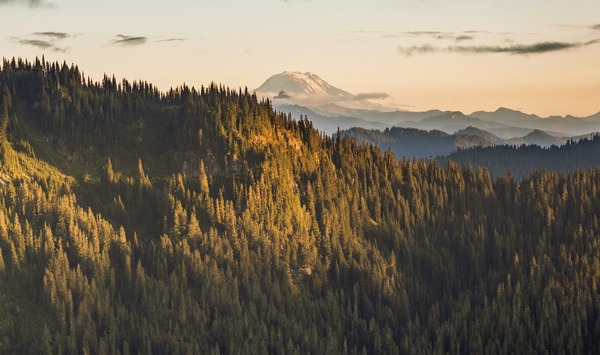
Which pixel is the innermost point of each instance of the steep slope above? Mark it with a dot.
(201, 221)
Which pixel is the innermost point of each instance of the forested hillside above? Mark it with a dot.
(521, 161)
(134, 221)
(411, 142)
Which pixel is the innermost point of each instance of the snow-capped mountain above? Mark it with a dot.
(294, 84)
(330, 107)
(309, 90)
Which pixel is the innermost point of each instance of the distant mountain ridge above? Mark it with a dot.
(522, 160)
(474, 131)
(331, 107)
(417, 143)
(564, 124)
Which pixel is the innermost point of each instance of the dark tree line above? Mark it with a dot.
(523, 160)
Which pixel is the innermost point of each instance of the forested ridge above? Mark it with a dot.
(411, 142)
(134, 221)
(522, 160)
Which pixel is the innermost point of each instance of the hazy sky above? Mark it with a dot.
(539, 56)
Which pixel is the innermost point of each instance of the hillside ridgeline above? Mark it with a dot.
(202, 221)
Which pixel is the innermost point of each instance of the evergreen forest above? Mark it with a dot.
(202, 221)
(523, 160)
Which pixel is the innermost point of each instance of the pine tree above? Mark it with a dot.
(2, 266)
(4, 121)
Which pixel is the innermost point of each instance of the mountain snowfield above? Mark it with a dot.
(297, 83)
(330, 108)
(309, 90)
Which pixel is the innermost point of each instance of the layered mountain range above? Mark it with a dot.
(330, 108)
(412, 142)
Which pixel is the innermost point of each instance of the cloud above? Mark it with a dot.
(536, 48)
(521, 49)
(437, 35)
(371, 96)
(48, 40)
(596, 27)
(34, 42)
(42, 44)
(172, 40)
(434, 34)
(457, 37)
(516, 49)
(31, 3)
(422, 49)
(478, 32)
(594, 41)
(366, 31)
(128, 41)
(426, 33)
(54, 35)
(463, 38)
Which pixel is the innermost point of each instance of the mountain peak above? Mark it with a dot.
(505, 109)
(538, 133)
(299, 74)
(298, 83)
(475, 131)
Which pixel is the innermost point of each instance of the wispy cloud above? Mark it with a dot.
(594, 41)
(172, 40)
(39, 43)
(47, 40)
(535, 48)
(436, 35)
(367, 31)
(33, 42)
(422, 49)
(54, 35)
(371, 96)
(516, 49)
(457, 37)
(479, 32)
(129, 41)
(432, 34)
(427, 33)
(463, 38)
(31, 3)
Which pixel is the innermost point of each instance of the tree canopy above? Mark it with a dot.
(134, 221)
